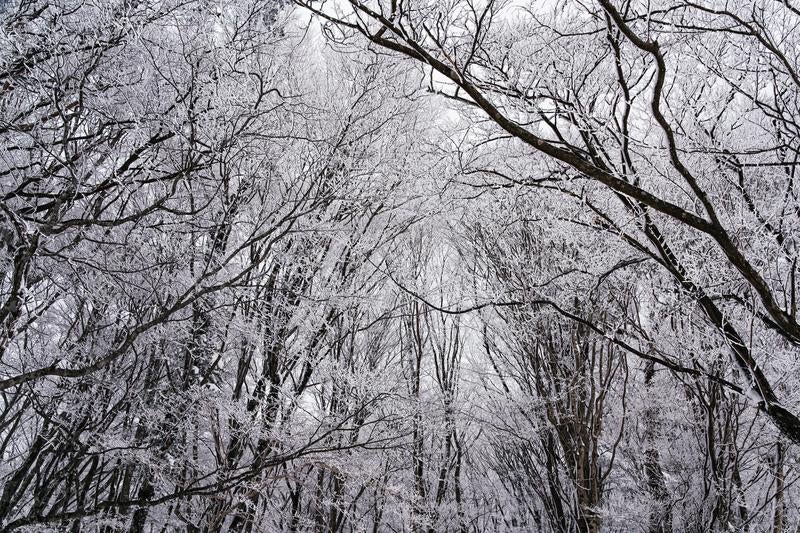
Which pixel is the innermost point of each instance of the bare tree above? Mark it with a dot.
(613, 119)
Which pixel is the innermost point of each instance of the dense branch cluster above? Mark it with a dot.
(399, 265)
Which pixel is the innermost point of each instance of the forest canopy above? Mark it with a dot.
(399, 265)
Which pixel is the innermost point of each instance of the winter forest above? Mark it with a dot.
(352, 266)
